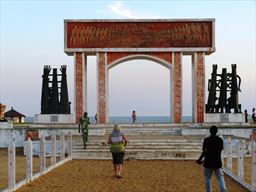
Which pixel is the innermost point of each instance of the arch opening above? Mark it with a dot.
(139, 84)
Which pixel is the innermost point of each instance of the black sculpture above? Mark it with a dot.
(223, 83)
(212, 85)
(235, 87)
(222, 101)
(64, 103)
(46, 92)
(54, 98)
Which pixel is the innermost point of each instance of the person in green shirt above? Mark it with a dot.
(83, 124)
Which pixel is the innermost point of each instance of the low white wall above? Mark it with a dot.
(4, 125)
(54, 118)
(17, 135)
(224, 118)
(238, 132)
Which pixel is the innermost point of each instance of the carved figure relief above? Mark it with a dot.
(139, 34)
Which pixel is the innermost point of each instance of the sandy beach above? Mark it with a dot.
(20, 166)
(138, 176)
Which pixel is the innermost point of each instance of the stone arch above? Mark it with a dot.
(159, 58)
(140, 56)
(161, 41)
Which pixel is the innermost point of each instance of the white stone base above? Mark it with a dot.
(6, 125)
(54, 118)
(224, 118)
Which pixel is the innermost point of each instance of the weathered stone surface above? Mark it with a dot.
(177, 82)
(78, 86)
(101, 88)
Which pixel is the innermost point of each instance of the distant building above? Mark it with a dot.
(14, 116)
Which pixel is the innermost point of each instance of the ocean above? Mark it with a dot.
(128, 119)
(143, 119)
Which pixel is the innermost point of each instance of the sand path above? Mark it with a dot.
(138, 176)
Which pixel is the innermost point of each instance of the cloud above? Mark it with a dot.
(119, 9)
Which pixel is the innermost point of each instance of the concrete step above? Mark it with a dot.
(139, 154)
(143, 141)
(144, 145)
(149, 131)
(141, 149)
(158, 146)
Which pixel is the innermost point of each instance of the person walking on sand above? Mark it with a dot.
(118, 142)
(134, 117)
(212, 147)
(83, 124)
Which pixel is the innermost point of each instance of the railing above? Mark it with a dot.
(12, 185)
(239, 177)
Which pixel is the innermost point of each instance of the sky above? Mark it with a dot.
(32, 35)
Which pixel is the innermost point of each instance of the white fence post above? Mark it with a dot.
(254, 165)
(62, 146)
(70, 144)
(42, 154)
(240, 159)
(11, 166)
(53, 149)
(229, 154)
(29, 159)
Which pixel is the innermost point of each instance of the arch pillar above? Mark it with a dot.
(78, 85)
(80, 69)
(102, 87)
(176, 83)
(198, 86)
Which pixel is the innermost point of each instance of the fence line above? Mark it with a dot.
(11, 165)
(12, 185)
(240, 164)
(42, 154)
(253, 151)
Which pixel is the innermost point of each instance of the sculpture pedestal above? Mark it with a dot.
(224, 118)
(54, 118)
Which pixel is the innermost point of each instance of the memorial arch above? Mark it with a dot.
(162, 41)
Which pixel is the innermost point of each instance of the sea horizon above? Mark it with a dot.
(128, 119)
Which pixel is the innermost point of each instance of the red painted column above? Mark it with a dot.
(198, 87)
(101, 70)
(78, 86)
(177, 87)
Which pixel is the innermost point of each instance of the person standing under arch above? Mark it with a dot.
(253, 115)
(245, 116)
(96, 117)
(134, 117)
